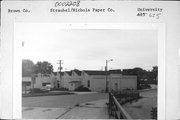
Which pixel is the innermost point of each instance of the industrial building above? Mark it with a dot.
(98, 81)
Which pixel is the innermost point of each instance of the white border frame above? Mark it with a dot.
(160, 27)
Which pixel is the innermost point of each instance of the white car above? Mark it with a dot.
(46, 88)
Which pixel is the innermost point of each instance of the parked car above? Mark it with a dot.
(46, 88)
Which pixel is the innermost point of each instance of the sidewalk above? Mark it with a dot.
(89, 110)
(141, 109)
(42, 113)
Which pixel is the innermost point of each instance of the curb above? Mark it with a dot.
(147, 90)
(45, 94)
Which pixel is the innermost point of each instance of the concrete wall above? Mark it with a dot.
(66, 78)
(45, 79)
(71, 86)
(65, 83)
(85, 78)
(115, 82)
(98, 83)
(26, 84)
(27, 80)
(54, 82)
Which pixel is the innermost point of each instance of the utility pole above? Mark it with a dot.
(106, 69)
(60, 68)
(106, 75)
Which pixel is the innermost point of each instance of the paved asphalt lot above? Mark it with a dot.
(54, 106)
(142, 108)
(61, 100)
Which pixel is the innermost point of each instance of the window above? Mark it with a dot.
(88, 83)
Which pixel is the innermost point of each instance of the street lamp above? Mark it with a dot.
(106, 69)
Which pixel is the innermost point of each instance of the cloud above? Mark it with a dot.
(89, 48)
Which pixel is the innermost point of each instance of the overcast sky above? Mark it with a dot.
(88, 48)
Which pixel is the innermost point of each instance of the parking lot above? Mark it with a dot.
(142, 108)
(61, 100)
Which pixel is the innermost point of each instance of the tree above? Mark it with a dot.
(155, 73)
(27, 67)
(43, 67)
(139, 72)
(143, 76)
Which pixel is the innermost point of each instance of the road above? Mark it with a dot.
(49, 107)
(61, 100)
(142, 108)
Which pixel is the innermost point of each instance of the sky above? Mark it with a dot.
(88, 49)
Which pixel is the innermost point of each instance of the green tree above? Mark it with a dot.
(155, 73)
(43, 67)
(139, 72)
(27, 67)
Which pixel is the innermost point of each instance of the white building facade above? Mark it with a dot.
(43, 80)
(97, 81)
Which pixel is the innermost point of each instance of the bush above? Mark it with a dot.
(59, 89)
(37, 90)
(82, 89)
(127, 96)
(154, 113)
(144, 86)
